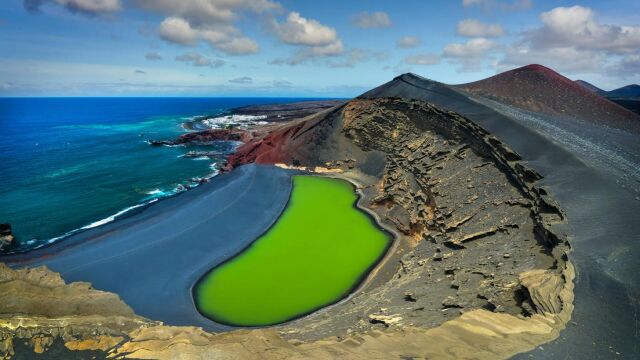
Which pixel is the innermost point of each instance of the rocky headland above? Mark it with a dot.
(206, 137)
(288, 112)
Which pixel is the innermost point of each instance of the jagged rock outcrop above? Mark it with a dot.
(6, 236)
(205, 137)
(37, 306)
(469, 216)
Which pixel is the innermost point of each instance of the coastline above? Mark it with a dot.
(120, 215)
(204, 210)
(135, 203)
(515, 334)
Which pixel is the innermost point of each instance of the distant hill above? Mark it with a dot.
(625, 92)
(591, 87)
(540, 89)
(626, 96)
(631, 104)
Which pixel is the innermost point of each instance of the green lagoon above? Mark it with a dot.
(314, 255)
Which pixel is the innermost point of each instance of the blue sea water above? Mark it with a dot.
(72, 163)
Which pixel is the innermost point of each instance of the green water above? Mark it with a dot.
(319, 249)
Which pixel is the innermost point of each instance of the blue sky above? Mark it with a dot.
(303, 48)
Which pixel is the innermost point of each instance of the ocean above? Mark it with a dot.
(68, 164)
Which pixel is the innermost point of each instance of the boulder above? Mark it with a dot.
(6, 236)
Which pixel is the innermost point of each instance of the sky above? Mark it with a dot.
(329, 48)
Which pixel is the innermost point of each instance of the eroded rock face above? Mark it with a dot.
(468, 215)
(36, 305)
(476, 271)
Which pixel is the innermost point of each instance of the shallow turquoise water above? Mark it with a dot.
(66, 163)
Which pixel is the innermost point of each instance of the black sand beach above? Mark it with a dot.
(153, 258)
(602, 224)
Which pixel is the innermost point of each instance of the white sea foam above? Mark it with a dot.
(155, 195)
(237, 120)
(201, 158)
(114, 216)
(92, 225)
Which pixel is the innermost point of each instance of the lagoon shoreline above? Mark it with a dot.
(205, 239)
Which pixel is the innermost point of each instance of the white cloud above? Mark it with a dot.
(422, 59)
(576, 27)
(353, 57)
(223, 38)
(408, 42)
(311, 53)
(628, 66)
(332, 49)
(238, 46)
(374, 20)
(282, 83)
(314, 39)
(471, 55)
(195, 59)
(206, 12)
(472, 48)
(566, 60)
(298, 30)
(475, 28)
(513, 5)
(153, 56)
(212, 21)
(573, 41)
(87, 7)
(178, 30)
(242, 80)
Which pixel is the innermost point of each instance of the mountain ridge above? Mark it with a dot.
(540, 89)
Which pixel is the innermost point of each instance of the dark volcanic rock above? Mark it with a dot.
(591, 87)
(196, 154)
(6, 236)
(626, 96)
(625, 92)
(631, 104)
(206, 137)
(287, 112)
